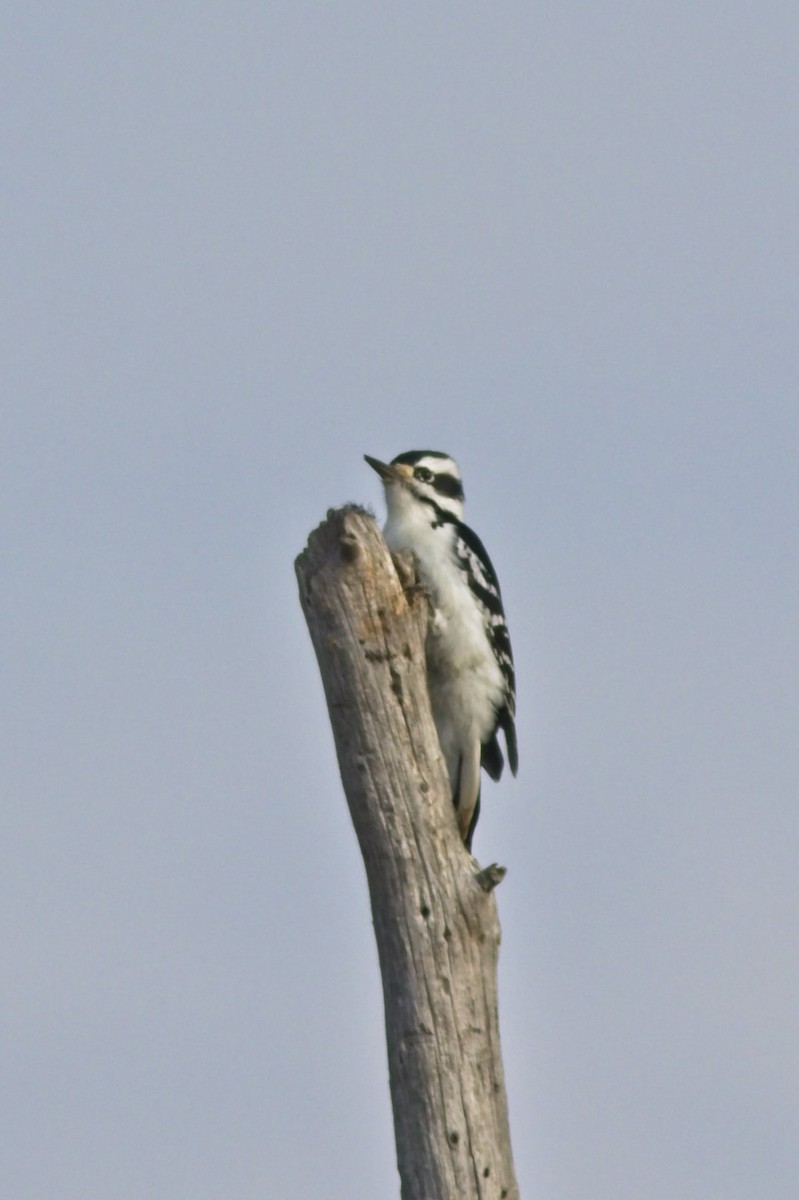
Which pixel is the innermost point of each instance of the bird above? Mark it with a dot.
(470, 673)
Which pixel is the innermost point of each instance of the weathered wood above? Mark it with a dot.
(434, 912)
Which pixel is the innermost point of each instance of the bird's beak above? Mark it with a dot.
(387, 472)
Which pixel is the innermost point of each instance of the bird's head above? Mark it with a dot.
(425, 476)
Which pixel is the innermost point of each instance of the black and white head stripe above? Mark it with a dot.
(436, 477)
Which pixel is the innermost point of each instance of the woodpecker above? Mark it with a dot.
(470, 674)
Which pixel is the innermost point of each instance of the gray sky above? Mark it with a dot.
(245, 243)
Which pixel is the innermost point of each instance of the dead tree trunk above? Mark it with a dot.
(434, 911)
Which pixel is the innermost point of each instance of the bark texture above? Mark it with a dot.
(434, 911)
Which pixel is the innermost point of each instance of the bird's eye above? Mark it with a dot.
(423, 474)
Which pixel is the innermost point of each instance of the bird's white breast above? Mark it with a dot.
(465, 682)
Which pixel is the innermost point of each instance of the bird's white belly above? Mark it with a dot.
(466, 684)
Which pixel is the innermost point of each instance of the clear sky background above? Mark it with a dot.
(246, 243)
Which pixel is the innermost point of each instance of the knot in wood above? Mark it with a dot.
(350, 547)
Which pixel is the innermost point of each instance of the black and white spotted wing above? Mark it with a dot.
(483, 582)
